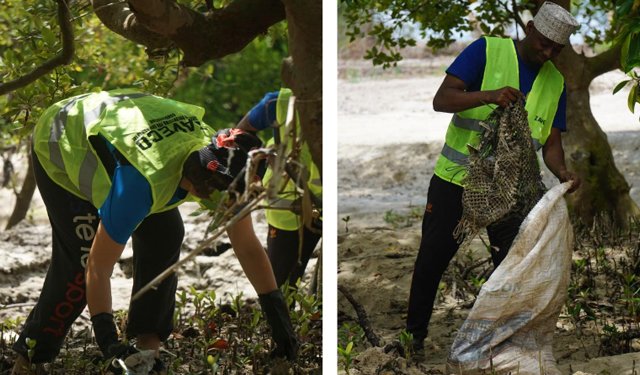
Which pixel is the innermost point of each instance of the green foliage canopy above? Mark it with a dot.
(442, 22)
(603, 25)
(30, 34)
(628, 17)
(103, 60)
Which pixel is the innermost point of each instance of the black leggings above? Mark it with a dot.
(74, 221)
(438, 246)
(282, 246)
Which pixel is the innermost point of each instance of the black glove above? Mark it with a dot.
(277, 313)
(107, 337)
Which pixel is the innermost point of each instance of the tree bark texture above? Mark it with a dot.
(159, 24)
(119, 18)
(23, 199)
(604, 190)
(303, 74)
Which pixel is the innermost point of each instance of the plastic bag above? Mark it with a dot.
(510, 327)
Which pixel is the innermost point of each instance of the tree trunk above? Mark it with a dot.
(23, 199)
(604, 190)
(303, 73)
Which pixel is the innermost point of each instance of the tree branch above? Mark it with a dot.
(63, 58)
(201, 37)
(363, 319)
(304, 22)
(605, 62)
(23, 199)
(228, 30)
(119, 18)
(516, 14)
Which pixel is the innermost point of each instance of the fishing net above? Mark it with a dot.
(503, 177)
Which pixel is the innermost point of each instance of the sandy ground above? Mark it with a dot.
(26, 249)
(389, 139)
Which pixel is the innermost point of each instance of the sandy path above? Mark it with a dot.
(389, 135)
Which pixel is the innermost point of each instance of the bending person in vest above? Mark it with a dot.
(490, 71)
(290, 243)
(115, 165)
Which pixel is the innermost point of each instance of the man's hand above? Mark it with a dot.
(504, 96)
(565, 175)
(277, 313)
(452, 96)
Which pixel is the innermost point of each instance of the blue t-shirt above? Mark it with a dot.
(469, 67)
(129, 201)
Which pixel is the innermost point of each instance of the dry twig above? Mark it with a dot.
(363, 319)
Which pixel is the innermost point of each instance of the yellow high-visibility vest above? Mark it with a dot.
(282, 218)
(501, 69)
(156, 135)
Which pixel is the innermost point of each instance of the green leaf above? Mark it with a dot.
(620, 85)
(624, 53)
(631, 101)
(349, 347)
(48, 36)
(31, 343)
(633, 56)
(624, 8)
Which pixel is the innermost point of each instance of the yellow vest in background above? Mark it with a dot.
(281, 218)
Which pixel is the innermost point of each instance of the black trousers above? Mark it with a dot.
(282, 247)
(438, 246)
(74, 221)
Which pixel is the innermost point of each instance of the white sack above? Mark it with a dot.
(513, 319)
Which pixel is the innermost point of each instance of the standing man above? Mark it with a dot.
(115, 165)
(490, 71)
(290, 243)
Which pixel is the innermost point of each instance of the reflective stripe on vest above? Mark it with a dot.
(283, 218)
(500, 70)
(466, 123)
(89, 163)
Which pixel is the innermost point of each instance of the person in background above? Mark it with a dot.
(115, 165)
(491, 71)
(290, 243)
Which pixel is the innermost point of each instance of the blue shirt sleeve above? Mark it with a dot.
(469, 65)
(560, 121)
(263, 114)
(128, 203)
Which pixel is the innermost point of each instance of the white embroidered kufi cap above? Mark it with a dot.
(555, 22)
